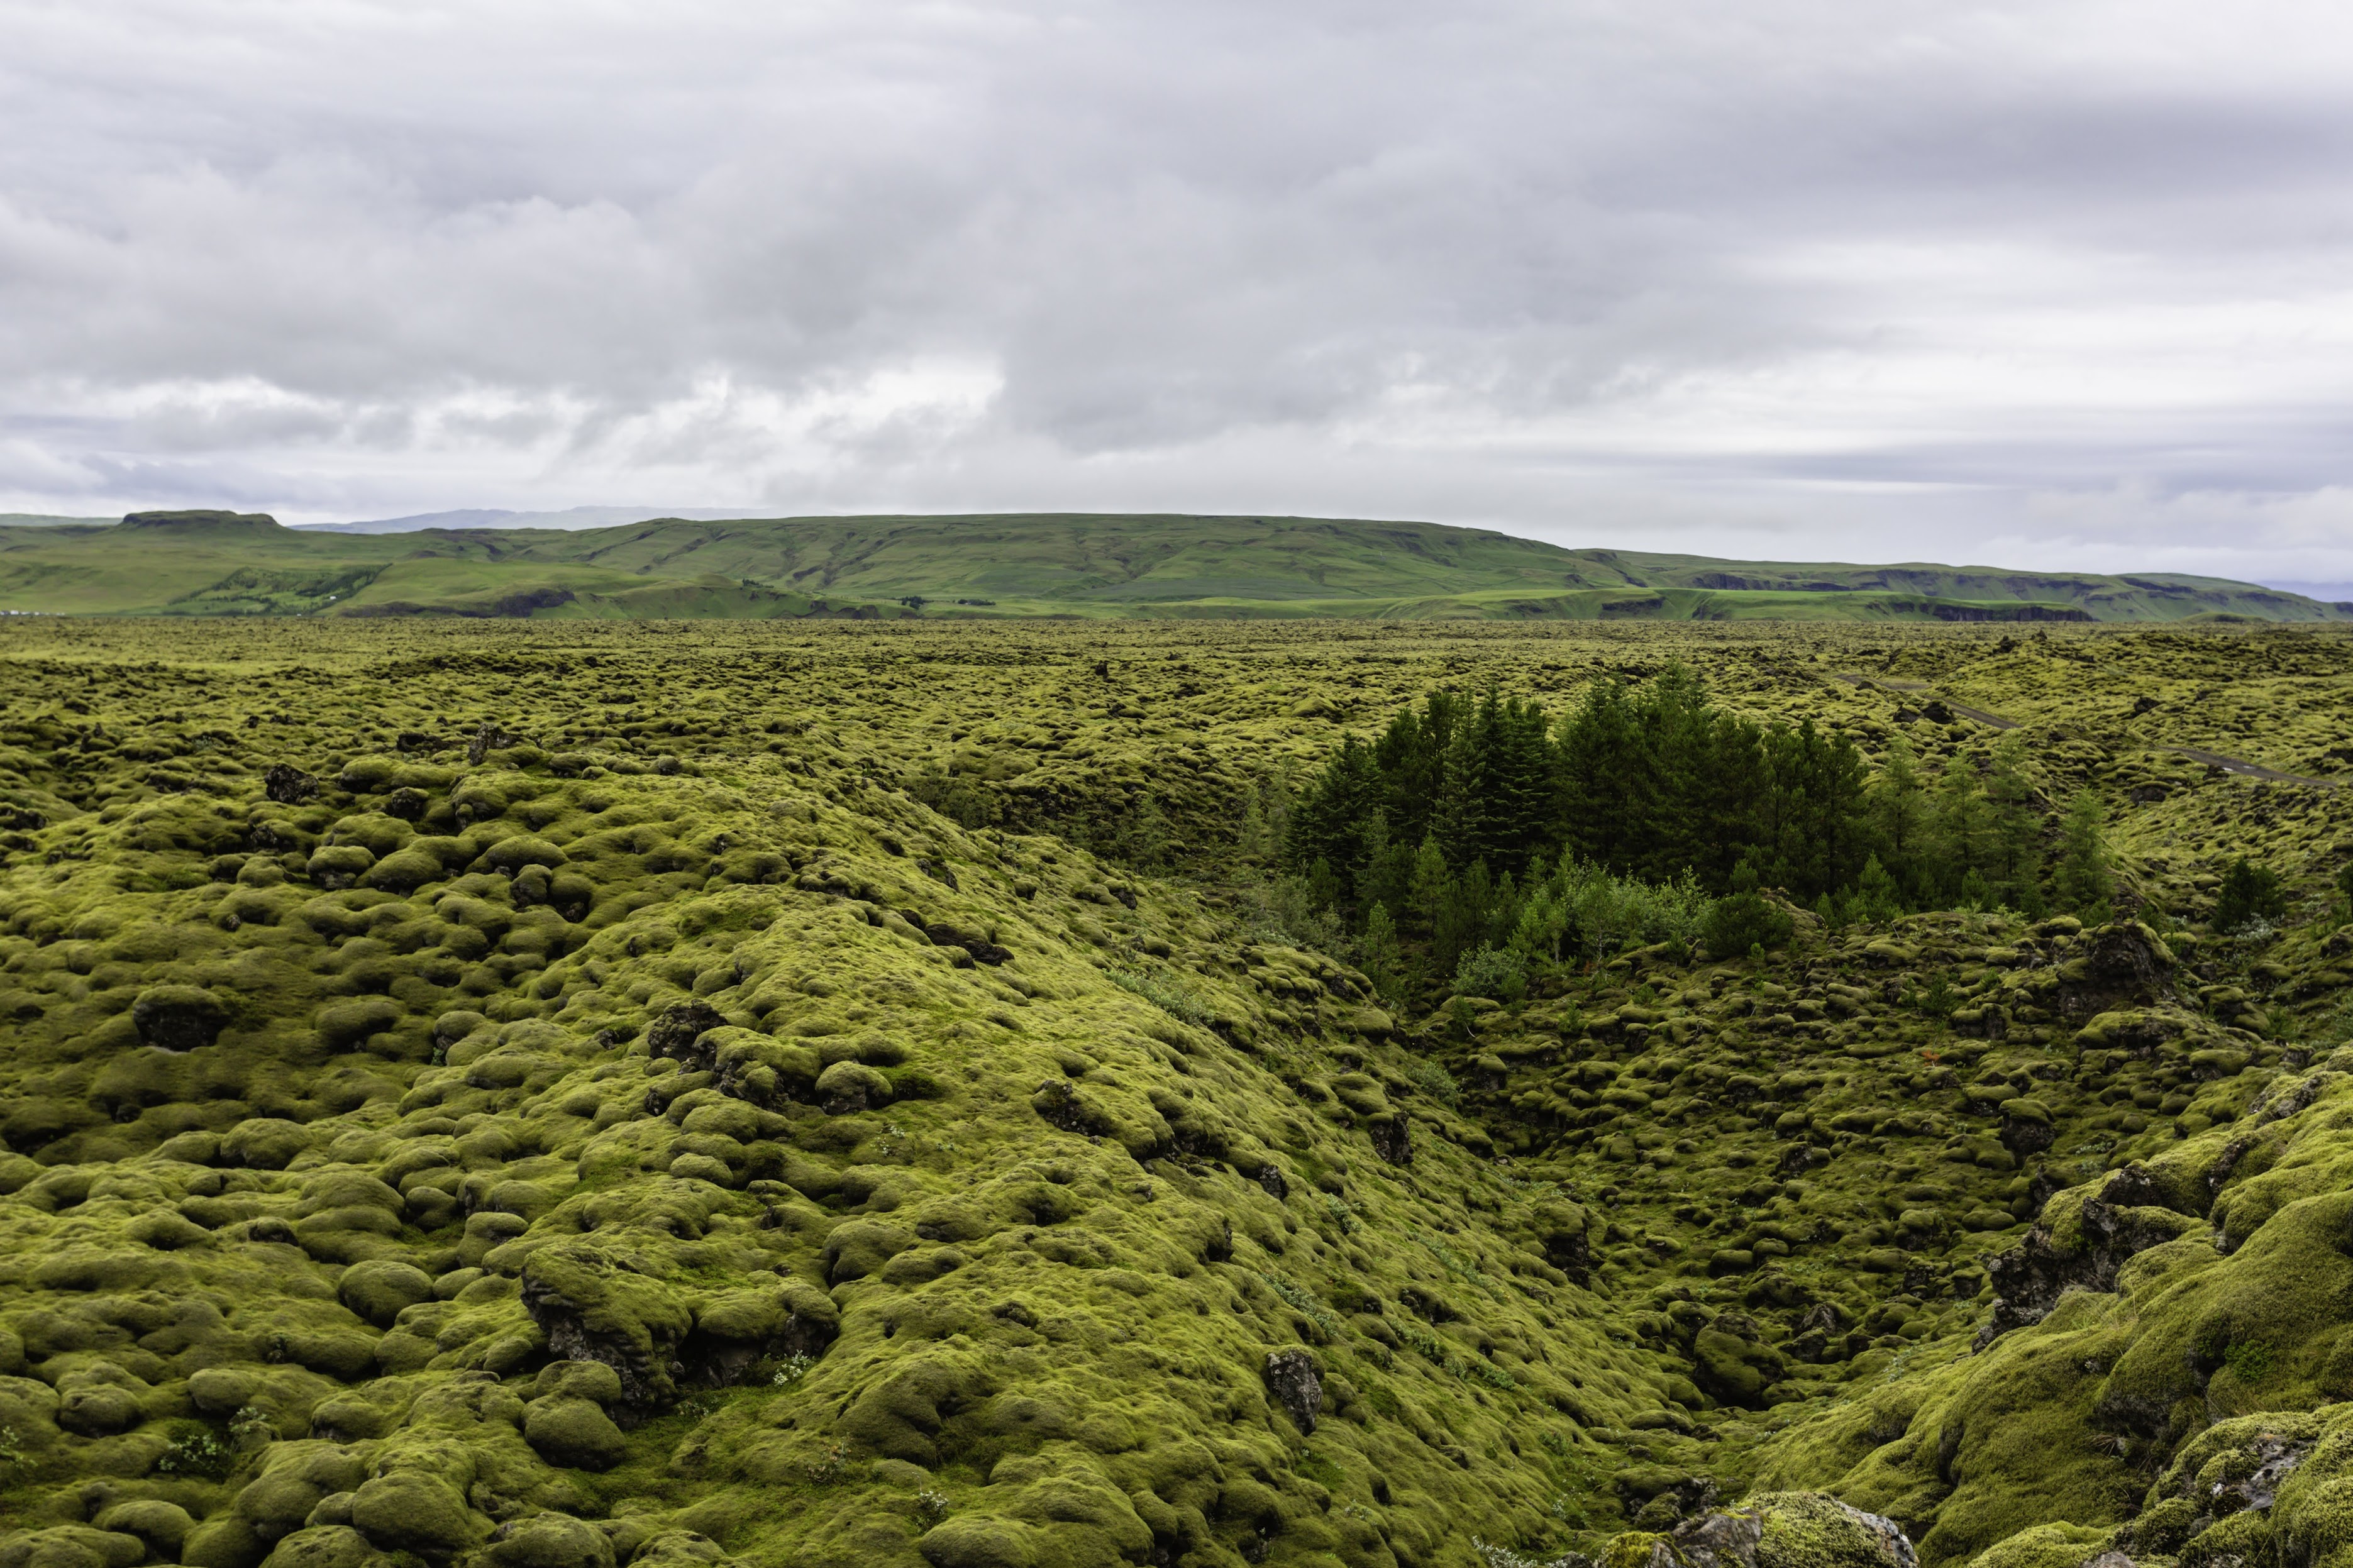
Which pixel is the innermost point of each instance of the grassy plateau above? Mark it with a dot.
(1029, 564)
(635, 1094)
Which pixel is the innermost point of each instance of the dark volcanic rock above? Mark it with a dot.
(288, 785)
(178, 1017)
(1291, 1378)
(1392, 1138)
(676, 1033)
(2079, 1249)
(2116, 966)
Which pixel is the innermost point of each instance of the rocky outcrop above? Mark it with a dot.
(2079, 1245)
(2115, 966)
(1291, 1378)
(1779, 1530)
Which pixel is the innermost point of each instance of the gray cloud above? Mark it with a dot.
(2059, 282)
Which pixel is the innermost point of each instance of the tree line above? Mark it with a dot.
(1484, 824)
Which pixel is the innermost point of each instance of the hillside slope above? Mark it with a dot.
(1107, 567)
(556, 1098)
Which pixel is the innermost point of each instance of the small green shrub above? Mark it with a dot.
(200, 1451)
(1432, 1079)
(2250, 894)
(1498, 973)
(1167, 990)
(1744, 920)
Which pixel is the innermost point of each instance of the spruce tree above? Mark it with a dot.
(1900, 817)
(1877, 897)
(1411, 756)
(1378, 952)
(2015, 828)
(1598, 769)
(2083, 880)
(1962, 831)
(1430, 886)
(2249, 893)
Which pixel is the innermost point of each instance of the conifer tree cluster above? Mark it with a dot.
(1484, 824)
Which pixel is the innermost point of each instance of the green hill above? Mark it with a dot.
(1102, 566)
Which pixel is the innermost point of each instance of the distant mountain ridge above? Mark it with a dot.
(499, 517)
(1107, 565)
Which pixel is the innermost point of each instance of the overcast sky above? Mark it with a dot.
(2052, 284)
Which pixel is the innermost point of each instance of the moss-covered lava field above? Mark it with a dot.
(643, 1094)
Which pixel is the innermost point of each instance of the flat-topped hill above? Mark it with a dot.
(1026, 564)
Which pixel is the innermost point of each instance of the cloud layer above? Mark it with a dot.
(2061, 283)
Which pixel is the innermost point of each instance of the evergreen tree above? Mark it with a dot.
(1464, 818)
(1519, 781)
(1387, 874)
(1900, 817)
(2083, 880)
(2015, 828)
(1877, 897)
(2249, 893)
(1811, 836)
(1744, 920)
(1322, 885)
(1430, 888)
(1378, 952)
(1961, 834)
(1503, 912)
(1457, 816)
(1329, 820)
(1461, 922)
(1411, 754)
(1597, 773)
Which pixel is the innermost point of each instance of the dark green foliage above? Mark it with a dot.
(1499, 973)
(1649, 784)
(1379, 953)
(2084, 881)
(2249, 893)
(1743, 919)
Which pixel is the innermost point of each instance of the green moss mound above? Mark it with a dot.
(858, 1094)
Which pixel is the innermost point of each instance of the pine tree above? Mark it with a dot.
(1520, 807)
(1455, 811)
(2083, 880)
(1503, 912)
(1900, 818)
(2016, 823)
(1322, 885)
(1378, 952)
(1596, 769)
(1462, 920)
(2249, 893)
(1962, 830)
(1432, 885)
(1877, 897)
(1387, 874)
(1328, 820)
(1411, 754)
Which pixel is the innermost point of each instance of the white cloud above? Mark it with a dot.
(2053, 283)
